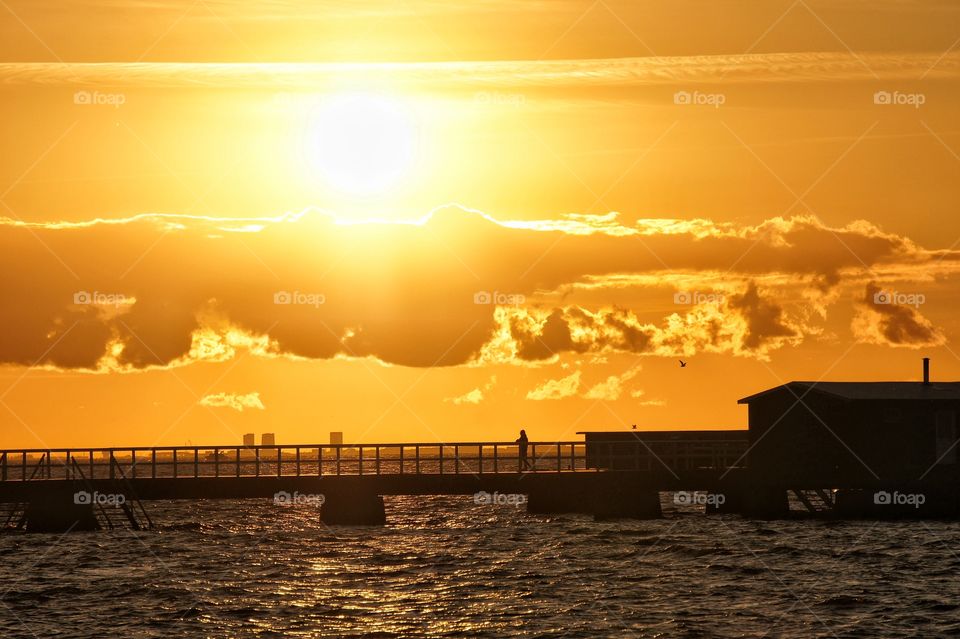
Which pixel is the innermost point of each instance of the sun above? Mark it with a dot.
(362, 143)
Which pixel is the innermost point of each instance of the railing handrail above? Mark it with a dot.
(428, 458)
(127, 449)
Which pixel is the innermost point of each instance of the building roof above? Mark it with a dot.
(664, 435)
(869, 390)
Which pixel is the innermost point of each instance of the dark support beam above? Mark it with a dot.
(898, 502)
(627, 502)
(354, 508)
(57, 513)
(553, 499)
(756, 501)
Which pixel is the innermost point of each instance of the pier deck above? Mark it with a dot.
(405, 468)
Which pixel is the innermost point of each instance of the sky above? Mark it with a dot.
(439, 221)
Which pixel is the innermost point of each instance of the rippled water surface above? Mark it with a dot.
(446, 567)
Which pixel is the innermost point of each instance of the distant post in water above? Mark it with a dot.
(268, 439)
(336, 438)
(249, 440)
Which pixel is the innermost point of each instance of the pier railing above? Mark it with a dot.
(457, 458)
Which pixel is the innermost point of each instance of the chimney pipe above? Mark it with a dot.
(926, 370)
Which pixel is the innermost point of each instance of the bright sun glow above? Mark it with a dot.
(362, 143)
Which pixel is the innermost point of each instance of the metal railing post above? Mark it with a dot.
(196, 463)
(279, 461)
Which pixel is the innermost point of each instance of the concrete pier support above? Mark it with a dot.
(753, 501)
(353, 509)
(549, 501)
(59, 514)
(764, 503)
(627, 503)
(724, 502)
(898, 503)
(603, 500)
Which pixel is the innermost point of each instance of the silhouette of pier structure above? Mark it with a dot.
(847, 449)
(39, 487)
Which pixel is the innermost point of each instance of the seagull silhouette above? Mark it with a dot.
(683, 364)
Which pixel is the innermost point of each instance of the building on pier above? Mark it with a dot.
(841, 432)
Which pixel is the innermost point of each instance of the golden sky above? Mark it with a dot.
(429, 220)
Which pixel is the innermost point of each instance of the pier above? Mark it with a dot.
(38, 487)
(822, 449)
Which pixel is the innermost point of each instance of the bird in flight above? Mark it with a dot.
(683, 364)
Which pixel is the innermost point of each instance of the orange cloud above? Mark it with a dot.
(235, 401)
(556, 388)
(892, 318)
(428, 293)
(474, 396)
(584, 73)
(612, 388)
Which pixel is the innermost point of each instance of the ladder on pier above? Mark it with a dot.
(815, 501)
(13, 514)
(128, 513)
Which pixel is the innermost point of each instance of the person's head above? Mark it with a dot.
(523, 432)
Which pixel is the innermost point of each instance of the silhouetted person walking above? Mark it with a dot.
(522, 450)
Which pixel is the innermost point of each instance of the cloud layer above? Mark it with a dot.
(510, 74)
(237, 402)
(169, 290)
